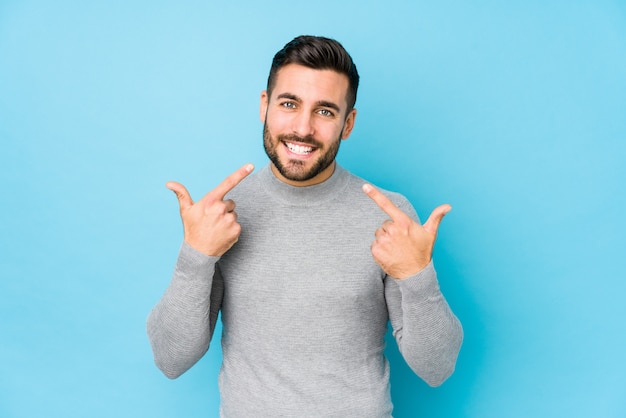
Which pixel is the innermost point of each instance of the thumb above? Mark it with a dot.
(432, 224)
(184, 199)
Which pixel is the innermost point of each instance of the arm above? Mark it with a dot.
(428, 334)
(181, 325)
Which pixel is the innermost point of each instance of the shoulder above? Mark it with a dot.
(355, 189)
(247, 188)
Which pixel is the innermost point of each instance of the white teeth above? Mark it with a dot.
(299, 149)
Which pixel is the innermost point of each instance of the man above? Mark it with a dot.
(309, 269)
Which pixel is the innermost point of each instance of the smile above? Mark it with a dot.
(299, 149)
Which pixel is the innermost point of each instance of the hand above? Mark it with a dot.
(210, 224)
(402, 246)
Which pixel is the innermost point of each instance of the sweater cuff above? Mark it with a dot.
(192, 264)
(423, 282)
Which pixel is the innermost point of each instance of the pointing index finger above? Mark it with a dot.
(231, 181)
(384, 203)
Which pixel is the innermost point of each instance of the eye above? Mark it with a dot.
(325, 112)
(288, 105)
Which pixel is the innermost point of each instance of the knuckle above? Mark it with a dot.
(403, 223)
(220, 207)
(231, 219)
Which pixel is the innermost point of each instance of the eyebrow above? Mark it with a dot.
(320, 103)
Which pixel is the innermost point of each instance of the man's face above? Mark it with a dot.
(305, 119)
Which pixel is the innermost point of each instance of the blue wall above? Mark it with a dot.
(514, 112)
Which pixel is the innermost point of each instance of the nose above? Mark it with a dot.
(303, 124)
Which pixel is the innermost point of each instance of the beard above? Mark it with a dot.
(297, 170)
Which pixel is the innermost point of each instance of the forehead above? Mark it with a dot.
(313, 85)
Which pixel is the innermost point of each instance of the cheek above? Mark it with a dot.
(277, 124)
(330, 133)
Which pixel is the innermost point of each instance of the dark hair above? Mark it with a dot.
(318, 53)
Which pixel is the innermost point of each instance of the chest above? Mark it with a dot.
(304, 263)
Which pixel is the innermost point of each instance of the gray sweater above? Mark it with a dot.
(304, 306)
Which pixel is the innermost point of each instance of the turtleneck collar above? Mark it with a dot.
(306, 195)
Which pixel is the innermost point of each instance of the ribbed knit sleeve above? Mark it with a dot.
(428, 334)
(181, 324)
(426, 330)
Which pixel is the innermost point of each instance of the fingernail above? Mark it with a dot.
(367, 188)
(249, 168)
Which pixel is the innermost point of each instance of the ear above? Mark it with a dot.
(264, 104)
(348, 124)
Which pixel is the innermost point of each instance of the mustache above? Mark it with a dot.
(309, 140)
